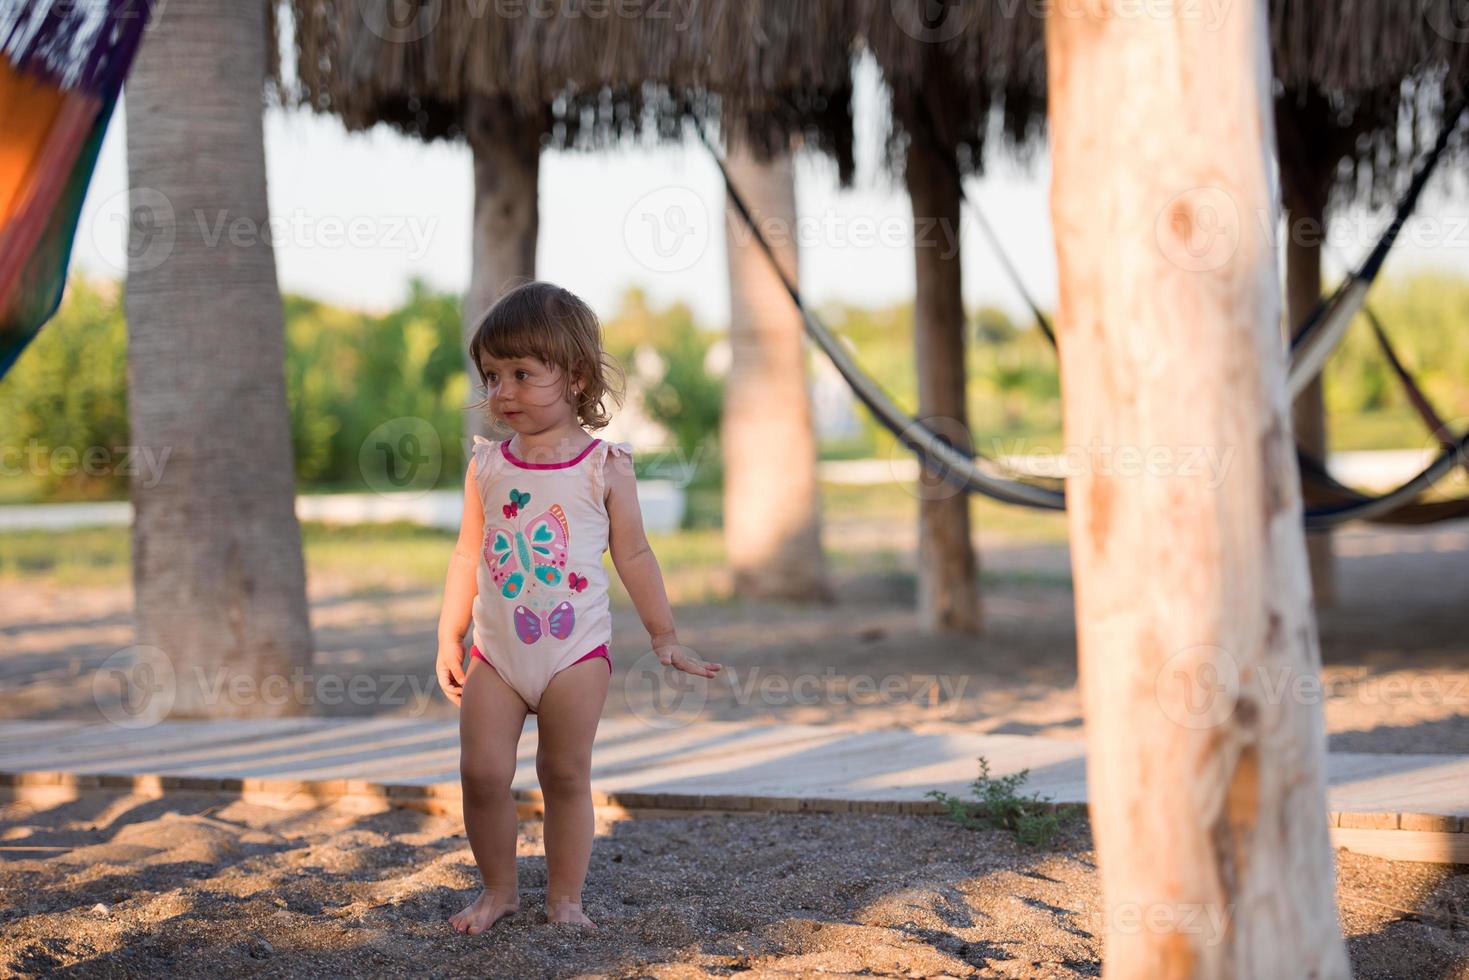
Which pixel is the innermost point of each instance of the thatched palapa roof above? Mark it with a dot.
(1364, 81)
(774, 72)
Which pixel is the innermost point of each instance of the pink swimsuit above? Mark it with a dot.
(542, 604)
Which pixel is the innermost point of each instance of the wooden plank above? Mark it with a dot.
(102, 742)
(723, 765)
(1404, 845)
(183, 749)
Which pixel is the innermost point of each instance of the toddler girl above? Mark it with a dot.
(540, 508)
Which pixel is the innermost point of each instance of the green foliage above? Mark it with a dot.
(63, 406)
(1033, 819)
(349, 372)
(1426, 318)
(686, 400)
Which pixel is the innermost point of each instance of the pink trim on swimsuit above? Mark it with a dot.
(505, 448)
(599, 651)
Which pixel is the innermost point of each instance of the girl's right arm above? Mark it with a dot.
(460, 588)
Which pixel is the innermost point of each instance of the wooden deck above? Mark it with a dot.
(1413, 807)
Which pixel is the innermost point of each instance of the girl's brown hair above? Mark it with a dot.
(542, 320)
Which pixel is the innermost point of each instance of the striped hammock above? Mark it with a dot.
(62, 64)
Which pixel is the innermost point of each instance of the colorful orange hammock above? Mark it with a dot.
(62, 64)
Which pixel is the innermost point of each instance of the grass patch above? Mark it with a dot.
(401, 555)
(1034, 820)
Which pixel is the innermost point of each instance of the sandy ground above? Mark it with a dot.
(1395, 649)
(140, 888)
(212, 885)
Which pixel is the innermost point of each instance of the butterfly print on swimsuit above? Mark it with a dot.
(530, 554)
(558, 622)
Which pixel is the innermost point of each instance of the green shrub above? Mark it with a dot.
(1034, 819)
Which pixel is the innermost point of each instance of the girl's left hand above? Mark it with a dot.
(680, 656)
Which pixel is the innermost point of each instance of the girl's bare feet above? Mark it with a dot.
(570, 913)
(482, 913)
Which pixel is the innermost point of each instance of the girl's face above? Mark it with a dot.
(527, 393)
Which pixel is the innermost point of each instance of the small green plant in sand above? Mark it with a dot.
(1000, 806)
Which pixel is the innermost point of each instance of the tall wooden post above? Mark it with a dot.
(948, 569)
(1304, 196)
(218, 577)
(1206, 766)
(772, 497)
(507, 220)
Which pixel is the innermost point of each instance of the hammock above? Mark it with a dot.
(62, 63)
(1328, 502)
(1328, 322)
(974, 473)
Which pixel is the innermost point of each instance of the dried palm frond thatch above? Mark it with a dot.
(776, 72)
(1369, 79)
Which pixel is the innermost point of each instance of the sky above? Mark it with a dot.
(356, 216)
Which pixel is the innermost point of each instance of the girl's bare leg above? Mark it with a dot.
(567, 718)
(491, 716)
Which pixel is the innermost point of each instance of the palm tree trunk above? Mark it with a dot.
(218, 576)
(948, 569)
(772, 502)
(507, 157)
(1207, 784)
(1306, 229)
